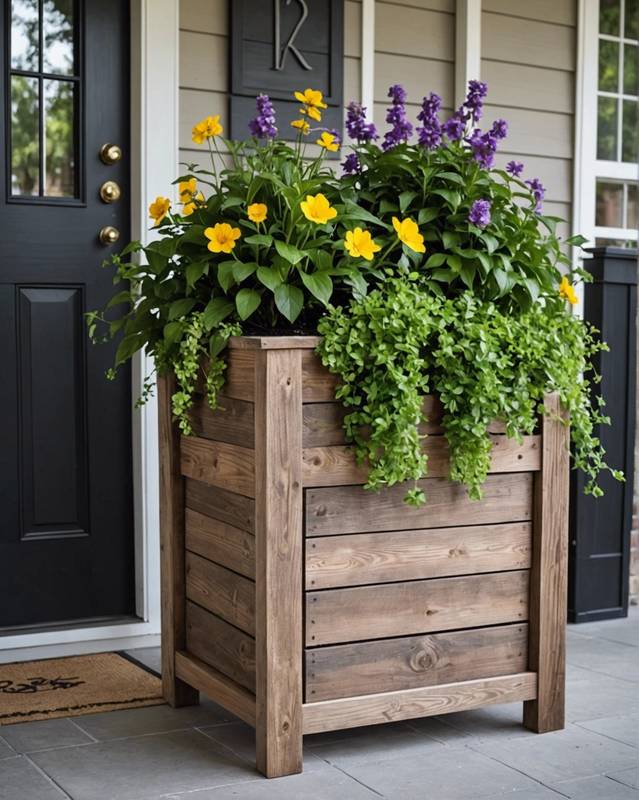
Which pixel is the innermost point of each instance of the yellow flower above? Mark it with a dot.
(360, 244)
(192, 205)
(329, 141)
(159, 208)
(206, 129)
(257, 212)
(313, 113)
(302, 125)
(312, 98)
(408, 233)
(222, 237)
(567, 291)
(187, 189)
(317, 209)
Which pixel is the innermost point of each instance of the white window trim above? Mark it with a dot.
(467, 46)
(154, 161)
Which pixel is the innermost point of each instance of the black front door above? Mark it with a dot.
(66, 519)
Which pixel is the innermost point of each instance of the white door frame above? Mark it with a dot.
(154, 157)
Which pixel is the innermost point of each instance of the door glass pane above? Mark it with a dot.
(615, 243)
(607, 129)
(630, 139)
(59, 132)
(57, 33)
(608, 66)
(609, 205)
(632, 19)
(609, 17)
(24, 34)
(633, 207)
(630, 69)
(25, 136)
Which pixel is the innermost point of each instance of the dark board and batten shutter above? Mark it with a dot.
(310, 34)
(600, 527)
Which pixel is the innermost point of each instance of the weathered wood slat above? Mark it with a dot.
(231, 422)
(217, 541)
(360, 558)
(318, 385)
(376, 709)
(224, 593)
(230, 507)
(220, 645)
(226, 466)
(348, 509)
(239, 376)
(273, 342)
(407, 663)
(336, 466)
(216, 686)
(402, 609)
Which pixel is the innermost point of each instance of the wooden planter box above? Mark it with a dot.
(302, 603)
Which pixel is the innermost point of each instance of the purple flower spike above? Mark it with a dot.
(484, 146)
(499, 129)
(263, 125)
(454, 128)
(538, 191)
(430, 133)
(356, 124)
(402, 129)
(515, 168)
(480, 213)
(351, 165)
(474, 102)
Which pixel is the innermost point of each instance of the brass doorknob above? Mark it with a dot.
(110, 153)
(109, 235)
(110, 192)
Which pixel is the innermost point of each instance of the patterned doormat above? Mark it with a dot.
(71, 687)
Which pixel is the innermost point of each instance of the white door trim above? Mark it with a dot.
(467, 46)
(154, 156)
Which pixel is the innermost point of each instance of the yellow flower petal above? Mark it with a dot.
(222, 237)
(207, 129)
(567, 291)
(360, 244)
(313, 113)
(257, 212)
(302, 125)
(328, 141)
(312, 98)
(187, 189)
(408, 233)
(317, 209)
(159, 208)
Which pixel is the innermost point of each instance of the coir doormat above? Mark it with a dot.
(71, 687)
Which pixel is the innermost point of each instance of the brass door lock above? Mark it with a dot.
(110, 153)
(110, 192)
(109, 235)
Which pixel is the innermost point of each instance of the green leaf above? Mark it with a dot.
(353, 211)
(259, 238)
(490, 241)
(501, 278)
(232, 201)
(289, 301)
(436, 260)
(180, 308)
(216, 310)
(269, 277)
(577, 240)
(195, 271)
(242, 271)
(454, 262)
(452, 197)
(321, 259)
(128, 346)
(405, 199)
(450, 239)
(246, 301)
(388, 207)
(451, 176)
(427, 215)
(291, 254)
(173, 332)
(225, 274)
(120, 297)
(319, 285)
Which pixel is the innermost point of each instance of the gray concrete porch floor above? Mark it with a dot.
(203, 753)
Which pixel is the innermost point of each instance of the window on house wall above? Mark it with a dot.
(617, 208)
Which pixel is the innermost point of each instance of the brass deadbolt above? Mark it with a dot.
(109, 235)
(110, 153)
(110, 192)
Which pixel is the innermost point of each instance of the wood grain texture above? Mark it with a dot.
(239, 378)
(234, 509)
(361, 558)
(336, 466)
(217, 541)
(226, 594)
(402, 609)
(376, 709)
(220, 645)
(318, 385)
(273, 342)
(349, 509)
(279, 538)
(549, 577)
(407, 663)
(231, 422)
(176, 692)
(216, 686)
(226, 466)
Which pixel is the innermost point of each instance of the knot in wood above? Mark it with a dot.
(425, 658)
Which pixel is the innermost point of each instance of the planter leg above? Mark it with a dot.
(278, 534)
(548, 592)
(172, 570)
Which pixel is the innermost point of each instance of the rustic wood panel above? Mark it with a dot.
(220, 645)
(229, 507)
(318, 384)
(216, 686)
(376, 709)
(336, 466)
(549, 577)
(407, 663)
(239, 378)
(224, 593)
(217, 541)
(356, 559)
(279, 546)
(231, 422)
(402, 609)
(349, 509)
(226, 466)
(176, 692)
(273, 342)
